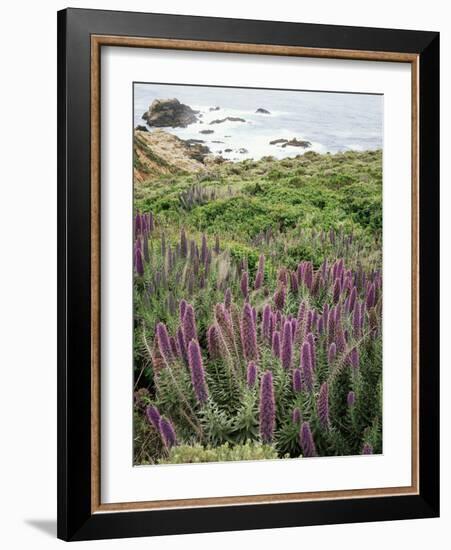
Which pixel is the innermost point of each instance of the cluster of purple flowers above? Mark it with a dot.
(162, 425)
(144, 225)
(260, 346)
(184, 348)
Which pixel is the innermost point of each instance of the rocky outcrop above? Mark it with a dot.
(278, 141)
(191, 141)
(142, 128)
(197, 151)
(297, 143)
(291, 143)
(169, 113)
(206, 132)
(262, 111)
(159, 153)
(214, 108)
(229, 118)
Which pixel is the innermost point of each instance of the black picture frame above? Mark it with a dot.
(75, 518)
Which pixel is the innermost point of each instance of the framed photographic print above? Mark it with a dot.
(248, 274)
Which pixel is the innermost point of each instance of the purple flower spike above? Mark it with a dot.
(228, 298)
(181, 345)
(297, 380)
(354, 358)
(261, 263)
(323, 406)
(153, 416)
(356, 324)
(174, 348)
(204, 249)
(352, 299)
(325, 315)
(336, 291)
(279, 298)
(311, 341)
(251, 376)
(139, 266)
(266, 323)
(306, 366)
(248, 334)
(340, 340)
(276, 343)
(182, 309)
(197, 372)
(371, 296)
(167, 432)
(332, 353)
(286, 354)
(309, 321)
(351, 399)
(267, 408)
(183, 244)
(308, 275)
(213, 342)
(367, 449)
(296, 416)
(244, 284)
(164, 343)
(258, 280)
(306, 441)
(301, 313)
(189, 325)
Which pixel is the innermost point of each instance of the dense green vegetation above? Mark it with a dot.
(342, 191)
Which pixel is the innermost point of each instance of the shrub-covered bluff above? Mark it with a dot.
(258, 294)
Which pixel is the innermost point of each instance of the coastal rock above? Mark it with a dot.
(242, 151)
(197, 151)
(214, 108)
(169, 113)
(291, 142)
(206, 132)
(141, 128)
(262, 111)
(277, 141)
(297, 143)
(229, 118)
(228, 150)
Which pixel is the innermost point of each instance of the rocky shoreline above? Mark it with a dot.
(172, 114)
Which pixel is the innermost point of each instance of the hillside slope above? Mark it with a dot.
(160, 153)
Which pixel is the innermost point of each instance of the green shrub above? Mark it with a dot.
(197, 453)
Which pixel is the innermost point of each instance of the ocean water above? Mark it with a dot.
(331, 121)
